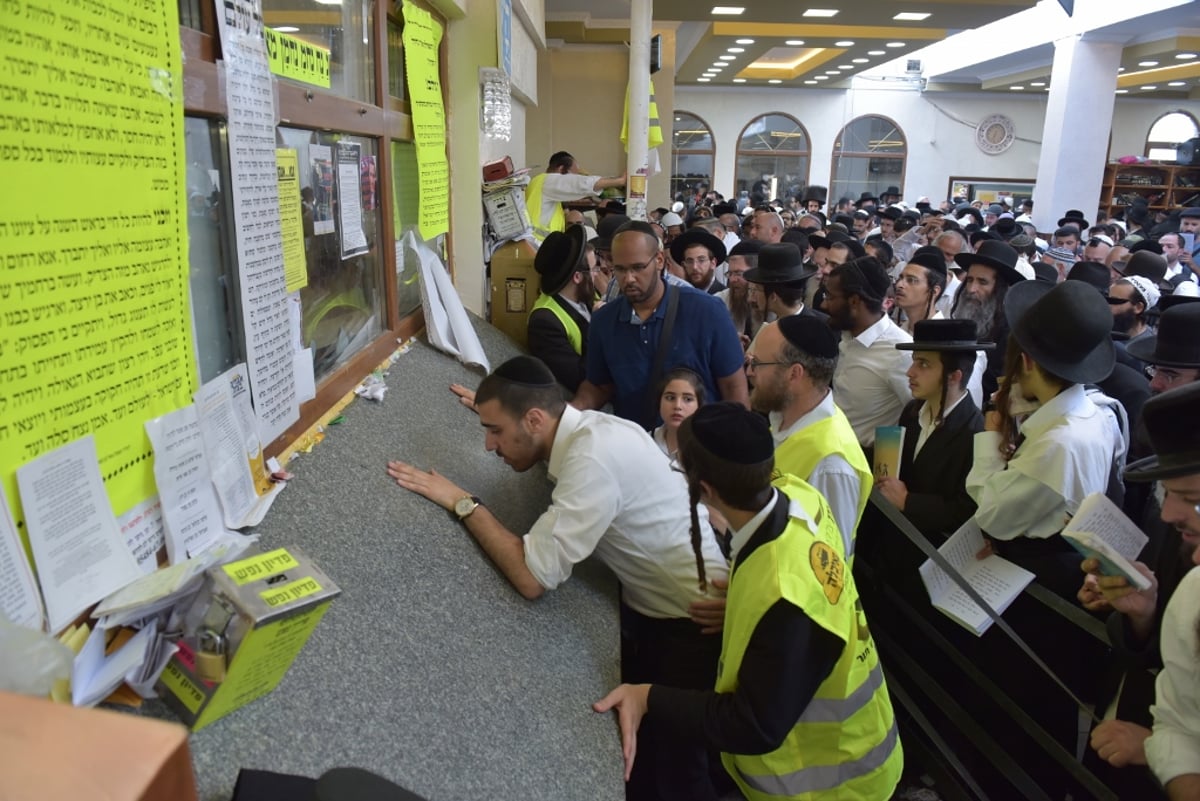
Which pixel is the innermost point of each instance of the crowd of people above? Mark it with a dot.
(747, 361)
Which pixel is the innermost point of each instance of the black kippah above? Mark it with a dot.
(729, 431)
(810, 335)
(526, 371)
(867, 278)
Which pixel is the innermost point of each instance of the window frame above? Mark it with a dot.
(806, 154)
(710, 152)
(836, 154)
(1152, 144)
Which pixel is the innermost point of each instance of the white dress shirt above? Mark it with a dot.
(564, 187)
(946, 301)
(870, 384)
(833, 476)
(615, 495)
(1069, 448)
(1174, 747)
(926, 422)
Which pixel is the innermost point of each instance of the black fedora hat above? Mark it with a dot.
(1000, 256)
(818, 241)
(1137, 213)
(1067, 329)
(892, 213)
(1176, 344)
(945, 335)
(697, 236)
(1074, 217)
(930, 258)
(817, 193)
(1006, 227)
(779, 263)
(559, 257)
(1170, 301)
(606, 229)
(891, 191)
(1045, 272)
(1176, 447)
(1092, 273)
(865, 197)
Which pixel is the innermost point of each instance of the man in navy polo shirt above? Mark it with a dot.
(624, 336)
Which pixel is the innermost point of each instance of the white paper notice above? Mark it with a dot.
(181, 471)
(446, 319)
(239, 390)
(255, 193)
(354, 239)
(306, 381)
(76, 543)
(143, 531)
(224, 446)
(19, 598)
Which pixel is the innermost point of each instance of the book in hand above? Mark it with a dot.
(889, 447)
(997, 580)
(1101, 531)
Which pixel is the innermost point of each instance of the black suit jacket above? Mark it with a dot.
(548, 341)
(995, 361)
(936, 478)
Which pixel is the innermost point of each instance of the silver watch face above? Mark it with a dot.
(464, 506)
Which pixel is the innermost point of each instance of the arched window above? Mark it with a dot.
(691, 155)
(1167, 132)
(868, 156)
(772, 158)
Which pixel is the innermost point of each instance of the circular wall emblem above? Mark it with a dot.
(995, 134)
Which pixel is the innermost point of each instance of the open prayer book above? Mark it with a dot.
(997, 580)
(1100, 530)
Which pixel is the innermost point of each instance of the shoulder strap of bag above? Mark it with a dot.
(660, 355)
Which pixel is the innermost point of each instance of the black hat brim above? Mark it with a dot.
(1083, 224)
(1144, 350)
(1096, 365)
(554, 281)
(756, 276)
(1010, 274)
(1152, 468)
(947, 347)
(697, 236)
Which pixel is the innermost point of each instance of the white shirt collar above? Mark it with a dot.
(743, 534)
(571, 419)
(819, 412)
(868, 337)
(1072, 401)
(579, 307)
(926, 416)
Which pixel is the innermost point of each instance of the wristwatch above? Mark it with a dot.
(465, 506)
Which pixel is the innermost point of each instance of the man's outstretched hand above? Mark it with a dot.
(465, 396)
(432, 484)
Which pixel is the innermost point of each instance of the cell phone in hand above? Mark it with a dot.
(1189, 241)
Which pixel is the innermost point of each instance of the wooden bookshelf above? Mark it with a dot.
(1164, 186)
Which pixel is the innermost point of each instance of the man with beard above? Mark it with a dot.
(777, 283)
(870, 383)
(698, 252)
(1130, 299)
(736, 297)
(989, 274)
(558, 325)
(633, 526)
(792, 369)
(625, 335)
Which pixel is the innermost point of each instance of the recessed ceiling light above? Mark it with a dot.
(287, 29)
(774, 80)
(845, 67)
(716, 67)
(1181, 56)
(1177, 83)
(911, 16)
(821, 12)
(1017, 88)
(861, 60)
(735, 50)
(895, 44)
(739, 80)
(821, 77)
(844, 43)
(1122, 91)
(1147, 63)
(744, 41)
(1038, 83)
(731, 10)
(727, 58)
(794, 42)
(876, 52)
(1148, 88)
(1120, 69)
(811, 83)
(832, 72)
(703, 80)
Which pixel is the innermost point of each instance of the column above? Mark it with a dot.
(1083, 84)
(640, 22)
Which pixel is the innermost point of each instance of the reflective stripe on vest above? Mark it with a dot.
(844, 744)
(833, 436)
(574, 335)
(533, 205)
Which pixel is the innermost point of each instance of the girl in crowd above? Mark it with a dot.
(681, 393)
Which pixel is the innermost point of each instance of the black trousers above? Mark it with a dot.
(672, 652)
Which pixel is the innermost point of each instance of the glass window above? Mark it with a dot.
(189, 14)
(868, 156)
(212, 271)
(691, 155)
(342, 306)
(772, 159)
(405, 183)
(1167, 132)
(397, 87)
(346, 29)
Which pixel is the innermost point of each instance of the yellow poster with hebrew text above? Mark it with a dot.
(422, 35)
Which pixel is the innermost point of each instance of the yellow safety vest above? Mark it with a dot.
(799, 454)
(574, 335)
(533, 205)
(654, 134)
(845, 745)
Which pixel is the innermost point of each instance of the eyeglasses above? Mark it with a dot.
(633, 268)
(1118, 301)
(1168, 376)
(754, 363)
(696, 262)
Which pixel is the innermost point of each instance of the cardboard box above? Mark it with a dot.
(50, 750)
(515, 286)
(268, 604)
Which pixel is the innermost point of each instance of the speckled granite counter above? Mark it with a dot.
(430, 669)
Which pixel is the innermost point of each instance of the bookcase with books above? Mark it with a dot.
(1163, 185)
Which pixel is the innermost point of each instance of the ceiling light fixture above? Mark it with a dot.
(735, 50)
(1147, 63)
(821, 77)
(1185, 56)
(287, 29)
(876, 52)
(821, 12)
(1120, 69)
(728, 10)
(1149, 88)
(744, 41)
(703, 80)
(794, 42)
(1122, 91)
(811, 83)
(860, 61)
(1038, 83)
(844, 43)
(911, 16)
(1177, 83)
(739, 80)
(727, 58)
(774, 80)
(895, 44)
(1017, 88)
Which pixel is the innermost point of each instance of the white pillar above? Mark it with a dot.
(640, 16)
(1083, 84)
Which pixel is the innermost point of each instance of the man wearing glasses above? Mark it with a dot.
(624, 358)
(698, 252)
